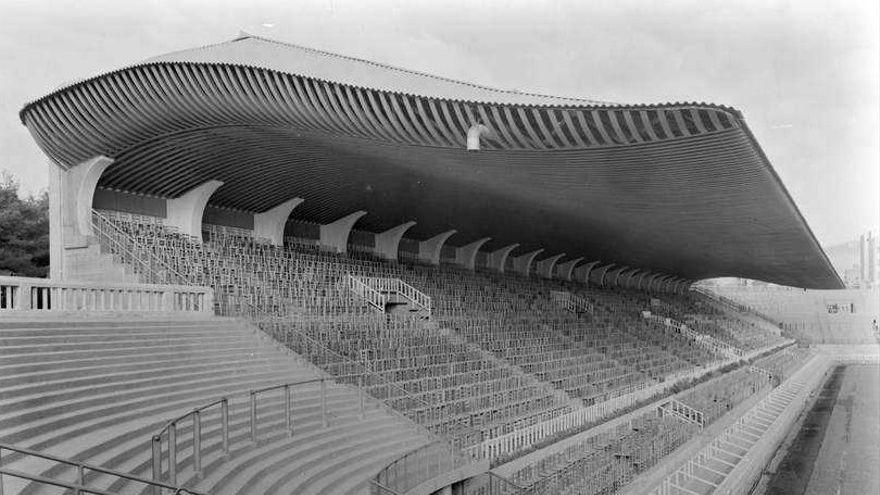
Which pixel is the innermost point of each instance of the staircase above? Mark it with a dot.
(571, 302)
(95, 389)
(392, 296)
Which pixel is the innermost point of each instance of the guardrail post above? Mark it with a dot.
(324, 402)
(289, 409)
(253, 417)
(157, 462)
(224, 423)
(197, 442)
(1, 474)
(361, 394)
(172, 453)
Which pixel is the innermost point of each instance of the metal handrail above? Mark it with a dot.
(169, 431)
(372, 296)
(415, 462)
(80, 486)
(133, 252)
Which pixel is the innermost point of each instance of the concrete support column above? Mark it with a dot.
(429, 250)
(661, 283)
(629, 280)
(466, 255)
(582, 273)
(545, 266)
(185, 212)
(335, 235)
(70, 208)
(613, 279)
(650, 281)
(565, 270)
(600, 273)
(497, 259)
(523, 264)
(270, 224)
(387, 242)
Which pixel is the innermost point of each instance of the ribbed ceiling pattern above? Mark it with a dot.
(681, 189)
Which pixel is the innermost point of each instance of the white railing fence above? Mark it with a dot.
(571, 302)
(38, 294)
(714, 345)
(376, 290)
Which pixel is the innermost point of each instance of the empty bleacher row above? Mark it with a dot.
(603, 462)
(500, 355)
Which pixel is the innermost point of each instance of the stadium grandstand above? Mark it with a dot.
(280, 270)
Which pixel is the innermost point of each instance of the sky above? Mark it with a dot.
(805, 73)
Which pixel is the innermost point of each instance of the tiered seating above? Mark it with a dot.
(710, 317)
(606, 461)
(96, 389)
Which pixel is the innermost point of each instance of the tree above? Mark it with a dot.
(24, 230)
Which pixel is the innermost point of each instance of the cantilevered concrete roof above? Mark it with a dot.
(678, 188)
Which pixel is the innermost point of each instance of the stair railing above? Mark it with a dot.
(368, 293)
(165, 442)
(682, 411)
(123, 246)
(80, 486)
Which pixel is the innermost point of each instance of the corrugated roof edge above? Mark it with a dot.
(593, 105)
(766, 161)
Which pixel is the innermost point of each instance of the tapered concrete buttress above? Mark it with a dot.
(387, 242)
(335, 235)
(185, 212)
(523, 264)
(599, 274)
(545, 266)
(430, 249)
(582, 273)
(564, 270)
(270, 224)
(497, 259)
(466, 256)
(71, 193)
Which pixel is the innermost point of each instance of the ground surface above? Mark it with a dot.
(849, 460)
(837, 448)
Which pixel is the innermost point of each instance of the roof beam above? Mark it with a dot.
(545, 266)
(430, 249)
(387, 242)
(523, 264)
(496, 259)
(335, 235)
(270, 224)
(185, 212)
(564, 270)
(466, 255)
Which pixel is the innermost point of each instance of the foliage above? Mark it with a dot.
(24, 231)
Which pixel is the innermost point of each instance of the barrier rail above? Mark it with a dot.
(80, 485)
(28, 294)
(417, 466)
(169, 433)
(707, 341)
(680, 410)
(571, 302)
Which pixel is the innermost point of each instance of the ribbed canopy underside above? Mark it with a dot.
(682, 189)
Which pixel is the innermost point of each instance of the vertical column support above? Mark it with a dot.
(649, 286)
(387, 242)
(545, 266)
(466, 255)
(565, 270)
(497, 259)
(628, 281)
(614, 281)
(523, 264)
(641, 279)
(185, 212)
(270, 224)
(429, 250)
(335, 235)
(71, 193)
(600, 274)
(582, 273)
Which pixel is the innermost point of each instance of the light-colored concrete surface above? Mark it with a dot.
(849, 458)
